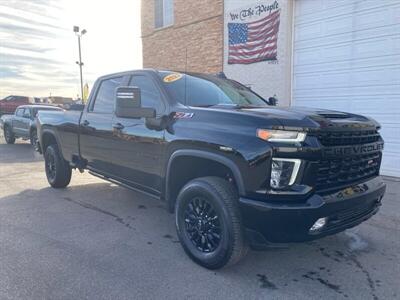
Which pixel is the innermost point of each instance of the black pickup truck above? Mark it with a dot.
(236, 171)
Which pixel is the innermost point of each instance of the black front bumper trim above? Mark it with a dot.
(291, 222)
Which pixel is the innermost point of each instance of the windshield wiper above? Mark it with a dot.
(232, 106)
(220, 105)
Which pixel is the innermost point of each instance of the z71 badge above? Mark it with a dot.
(183, 115)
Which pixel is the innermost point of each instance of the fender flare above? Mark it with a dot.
(7, 123)
(53, 133)
(206, 155)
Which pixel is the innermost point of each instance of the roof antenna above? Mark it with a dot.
(186, 62)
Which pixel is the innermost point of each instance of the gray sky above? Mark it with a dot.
(38, 48)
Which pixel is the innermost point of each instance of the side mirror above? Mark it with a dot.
(128, 104)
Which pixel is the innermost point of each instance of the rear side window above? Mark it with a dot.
(21, 99)
(105, 98)
(150, 94)
(20, 112)
(27, 113)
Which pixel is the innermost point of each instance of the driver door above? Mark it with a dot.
(138, 150)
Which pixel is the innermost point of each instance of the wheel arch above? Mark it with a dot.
(7, 123)
(173, 184)
(49, 137)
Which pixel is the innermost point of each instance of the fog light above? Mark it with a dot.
(318, 225)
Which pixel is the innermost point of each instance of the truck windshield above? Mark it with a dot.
(207, 90)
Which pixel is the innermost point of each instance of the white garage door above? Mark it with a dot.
(347, 57)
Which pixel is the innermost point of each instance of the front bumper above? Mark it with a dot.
(283, 223)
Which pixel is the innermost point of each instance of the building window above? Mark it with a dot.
(164, 13)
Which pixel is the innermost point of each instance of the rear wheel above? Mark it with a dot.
(58, 171)
(209, 223)
(9, 135)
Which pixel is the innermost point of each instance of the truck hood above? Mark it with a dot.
(309, 119)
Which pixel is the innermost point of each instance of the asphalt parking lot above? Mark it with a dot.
(95, 240)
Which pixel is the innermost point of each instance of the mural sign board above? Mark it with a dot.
(253, 33)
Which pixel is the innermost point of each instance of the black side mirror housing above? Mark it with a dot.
(158, 124)
(128, 104)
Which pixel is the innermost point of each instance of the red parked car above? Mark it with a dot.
(10, 103)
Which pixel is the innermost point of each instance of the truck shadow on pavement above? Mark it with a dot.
(121, 229)
(20, 152)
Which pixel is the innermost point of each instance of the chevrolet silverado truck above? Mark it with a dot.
(22, 124)
(236, 171)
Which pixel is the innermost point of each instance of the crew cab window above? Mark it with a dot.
(20, 99)
(150, 94)
(27, 113)
(20, 112)
(105, 98)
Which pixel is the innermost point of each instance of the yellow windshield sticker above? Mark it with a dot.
(172, 77)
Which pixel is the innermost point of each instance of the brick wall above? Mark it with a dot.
(198, 26)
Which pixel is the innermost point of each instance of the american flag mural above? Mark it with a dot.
(254, 41)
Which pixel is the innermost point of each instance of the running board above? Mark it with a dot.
(124, 185)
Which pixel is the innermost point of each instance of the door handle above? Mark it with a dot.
(85, 123)
(118, 126)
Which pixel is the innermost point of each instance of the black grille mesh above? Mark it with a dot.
(339, 138)
(341, 171)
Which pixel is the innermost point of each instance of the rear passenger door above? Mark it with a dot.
(96, 126)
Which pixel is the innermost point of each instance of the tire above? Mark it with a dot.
(9, 135)
(58, 171)
(207, 208)
(33, 138)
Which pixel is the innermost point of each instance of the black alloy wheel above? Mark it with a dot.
(50, 166)
(203, 225)
(58, 171)
(209, 223)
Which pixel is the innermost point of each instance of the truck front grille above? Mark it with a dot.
(339, 138)
(339, 172)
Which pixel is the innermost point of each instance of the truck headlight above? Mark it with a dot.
(284, 172)
(282, 136)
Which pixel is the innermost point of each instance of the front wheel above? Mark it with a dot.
(209, 224)
(9, 135)
(34, 138)
(58, 171)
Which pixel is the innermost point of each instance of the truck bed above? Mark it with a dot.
(65, 126)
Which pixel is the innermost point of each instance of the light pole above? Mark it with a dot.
(80, 63)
